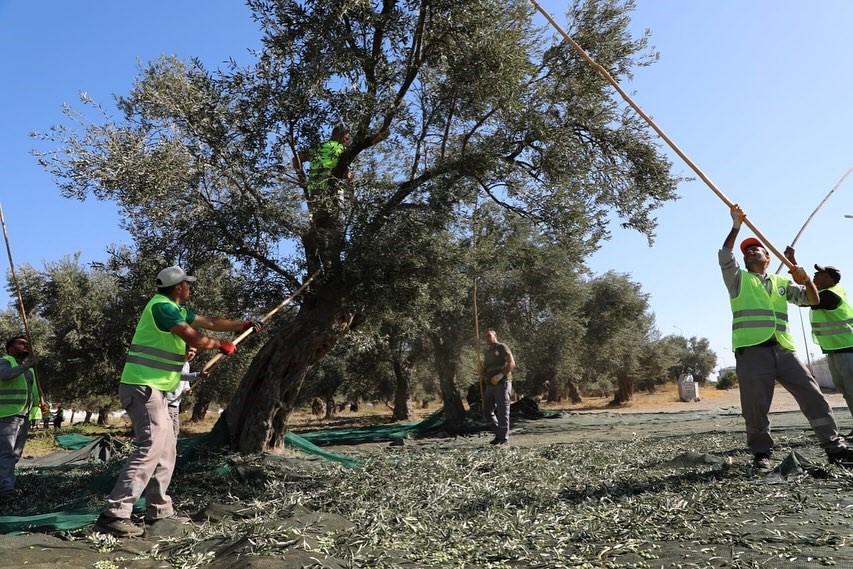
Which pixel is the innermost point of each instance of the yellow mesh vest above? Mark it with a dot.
(155, 358)
(833, 329)
(759, 316)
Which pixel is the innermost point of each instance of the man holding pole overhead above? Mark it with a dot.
(153, 369)
(764, 347)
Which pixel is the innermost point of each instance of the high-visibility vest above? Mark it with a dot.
(758, 315)
(155, 357)
(323, 161)
(13, 392)
(833, 329)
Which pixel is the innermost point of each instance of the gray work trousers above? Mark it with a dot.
(758, 368)
(148, 470)
(175, 416)
(496, 407)
(841, 368)
(13, 436)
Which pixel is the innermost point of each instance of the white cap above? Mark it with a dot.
(171, 276)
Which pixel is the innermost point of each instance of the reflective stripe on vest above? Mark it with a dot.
(13, 392)
(833, 329)
(759, 316)
(155, 358)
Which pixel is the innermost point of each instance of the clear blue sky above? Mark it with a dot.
(756, 93)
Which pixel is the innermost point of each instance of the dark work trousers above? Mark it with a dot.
(13, 436)
(758, 369)
(496, 407)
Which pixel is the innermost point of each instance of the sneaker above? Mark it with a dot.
(843, 457)
(119, 527)
(498, 441)
(761, 461)
(175, 517)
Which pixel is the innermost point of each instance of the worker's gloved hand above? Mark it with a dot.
(799, 275)
(496, 379)
(226, 347)
(255, 325)
(789, 254)
(738, 216)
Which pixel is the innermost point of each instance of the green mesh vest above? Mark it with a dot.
(155, 358)
(833, 329)
(759, 316)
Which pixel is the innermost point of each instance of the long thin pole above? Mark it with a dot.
(213, 361)
(480, 370)
(657, 129)
(794, 242)
(21, 308)
(820, 205)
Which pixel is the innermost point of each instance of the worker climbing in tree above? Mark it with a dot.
(327, 185)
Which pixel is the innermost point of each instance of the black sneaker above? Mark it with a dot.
(119, 527)
(843, 457)
(499, 442)
(761, 461)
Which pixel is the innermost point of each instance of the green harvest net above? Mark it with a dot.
(81, 450)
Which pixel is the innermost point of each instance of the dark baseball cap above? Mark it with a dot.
(830, 270)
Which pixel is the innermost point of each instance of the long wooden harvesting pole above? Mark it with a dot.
(22, 310)
(660, 132)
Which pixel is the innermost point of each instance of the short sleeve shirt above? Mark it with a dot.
(494, 358)
(166, 316)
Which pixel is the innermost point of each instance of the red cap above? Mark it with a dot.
(750, 242)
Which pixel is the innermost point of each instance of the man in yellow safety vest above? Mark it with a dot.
(765, 350)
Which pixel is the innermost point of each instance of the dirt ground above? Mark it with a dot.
(654, 484)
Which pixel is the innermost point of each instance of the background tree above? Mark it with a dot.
(479, 102)
(618, 325)
(693, 356)
(530, 291)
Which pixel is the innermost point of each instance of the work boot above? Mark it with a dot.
(761, 461)
(175, 518)
(119, 527)
(843, 457)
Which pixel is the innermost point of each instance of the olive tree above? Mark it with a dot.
(480, 103)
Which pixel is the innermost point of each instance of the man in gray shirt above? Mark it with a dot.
(764, 348)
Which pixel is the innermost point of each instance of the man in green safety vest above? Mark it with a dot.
(764, 347)
(19, 402)
(325, 189)
(832, 327)
(153, 369)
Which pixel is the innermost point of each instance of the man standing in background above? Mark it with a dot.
(498, 363)
(173, 399)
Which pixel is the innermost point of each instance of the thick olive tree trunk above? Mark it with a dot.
(258, 414)
(624, 389)
(199, 410)
(446, 365)
(402, 393)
